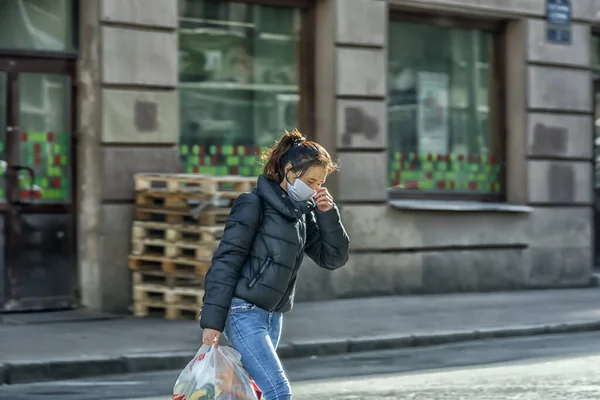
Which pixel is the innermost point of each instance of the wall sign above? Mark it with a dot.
(558, 21)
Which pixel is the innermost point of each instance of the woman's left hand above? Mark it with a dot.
(324, 199)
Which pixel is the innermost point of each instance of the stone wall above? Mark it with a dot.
(361, 88)
(129, 123)
(558, 149)
(546, 242)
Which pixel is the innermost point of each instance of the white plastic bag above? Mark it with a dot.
(214, 374)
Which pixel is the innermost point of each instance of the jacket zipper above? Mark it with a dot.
(260, 272)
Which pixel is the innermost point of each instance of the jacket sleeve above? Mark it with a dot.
(326, 239)
(240, 229)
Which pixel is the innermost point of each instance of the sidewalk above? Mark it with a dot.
(49, 349)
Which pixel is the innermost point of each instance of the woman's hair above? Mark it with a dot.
(294, 149)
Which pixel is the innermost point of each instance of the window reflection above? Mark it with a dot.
(37, 25)
(238, 83)
(44, 142)
(439, 109)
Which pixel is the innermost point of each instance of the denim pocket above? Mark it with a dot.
(239, 306)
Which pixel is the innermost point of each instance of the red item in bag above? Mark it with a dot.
(256, 389)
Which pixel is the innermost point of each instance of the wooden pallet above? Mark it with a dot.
(194, 183)
(149, 230)
(197, 233)
(169, 279)
(167, 311)
(151, 263)
(170, 302)
(180, 296)
(182, 200)
(176, 232)
(208, 217)
(180, 250)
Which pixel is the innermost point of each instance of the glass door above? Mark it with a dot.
(38, 213)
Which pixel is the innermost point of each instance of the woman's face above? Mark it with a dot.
(314, 177)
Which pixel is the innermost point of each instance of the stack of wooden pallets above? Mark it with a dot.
(179, 220)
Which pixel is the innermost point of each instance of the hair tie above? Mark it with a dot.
(297, 140)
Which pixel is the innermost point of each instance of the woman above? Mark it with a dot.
(252, 278)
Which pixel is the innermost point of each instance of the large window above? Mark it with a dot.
(43, 25)
(241, 73)
(444, 111)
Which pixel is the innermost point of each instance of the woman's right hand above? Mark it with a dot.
(210, 337)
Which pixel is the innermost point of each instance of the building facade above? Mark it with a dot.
(466, 138)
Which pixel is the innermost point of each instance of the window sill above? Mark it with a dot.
(460, 206)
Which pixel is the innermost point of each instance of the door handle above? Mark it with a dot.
(31, 173)
(10, 129)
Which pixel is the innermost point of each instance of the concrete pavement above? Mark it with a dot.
(570, 379)
(539, 352)
(47, 350)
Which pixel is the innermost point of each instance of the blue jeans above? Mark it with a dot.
(255, 334)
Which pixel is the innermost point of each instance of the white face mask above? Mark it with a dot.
(300, 191)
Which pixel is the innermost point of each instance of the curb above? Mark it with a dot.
(89, 367)
(77, 368)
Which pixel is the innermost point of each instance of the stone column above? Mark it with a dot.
(360, 106)
(350, 110)
(89, 155)
(550, 148)
(132, 127)
(559, 145)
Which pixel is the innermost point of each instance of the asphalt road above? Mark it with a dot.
(565, 367)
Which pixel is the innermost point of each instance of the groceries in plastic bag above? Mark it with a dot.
(214, 374)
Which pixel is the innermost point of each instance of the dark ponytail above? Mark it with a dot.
(294, 149)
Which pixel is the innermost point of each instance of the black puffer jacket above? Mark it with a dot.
(265, 238)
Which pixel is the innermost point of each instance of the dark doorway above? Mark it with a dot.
(37, 212)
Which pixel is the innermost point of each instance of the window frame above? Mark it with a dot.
(278, 3)
(595, 33)
(497, 97)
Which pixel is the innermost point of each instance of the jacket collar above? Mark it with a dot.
(277, 198)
